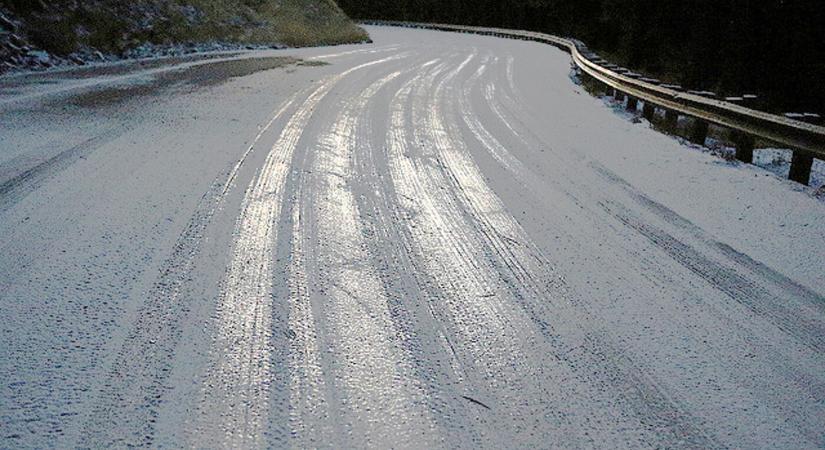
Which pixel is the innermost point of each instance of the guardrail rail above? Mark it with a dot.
(806, 140)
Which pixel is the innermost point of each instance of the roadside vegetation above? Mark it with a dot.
(64, 27)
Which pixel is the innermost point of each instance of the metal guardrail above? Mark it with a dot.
(806, 140)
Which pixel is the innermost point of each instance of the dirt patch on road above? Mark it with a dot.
(217, 73)
(94, 71)
(312, 63)
(188, 79)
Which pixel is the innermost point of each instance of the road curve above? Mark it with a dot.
(434, 241)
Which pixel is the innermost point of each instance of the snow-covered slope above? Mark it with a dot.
(434, 241)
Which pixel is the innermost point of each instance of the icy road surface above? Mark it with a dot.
(437, 240)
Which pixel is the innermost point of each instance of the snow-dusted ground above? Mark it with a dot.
(774, 160)
(433, 241)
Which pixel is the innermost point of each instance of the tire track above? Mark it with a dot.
(126, 408)
(434, 244)
(813, 301)
(403, 275)
(604, 344)
(18, 187)
(236, 391)
(446, 259)
(808, 330)
(386, 48)
(380, 398)
(646, 397)
(310, 418)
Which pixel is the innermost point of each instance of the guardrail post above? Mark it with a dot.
(632, 103)
(801, 163)
(648, 111)
(671, 119)
(619, 96)
(744, 146)
(698, 131)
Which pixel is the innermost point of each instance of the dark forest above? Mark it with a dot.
(772, 48)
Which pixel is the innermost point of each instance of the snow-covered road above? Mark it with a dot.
(437, 240)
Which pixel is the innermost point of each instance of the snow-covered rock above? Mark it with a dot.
(39, 56)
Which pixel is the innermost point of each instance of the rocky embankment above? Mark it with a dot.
(16, 51)
(40, 34)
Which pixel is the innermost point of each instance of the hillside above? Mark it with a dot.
(42, 33)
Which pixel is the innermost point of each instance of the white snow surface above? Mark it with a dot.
(436, 240)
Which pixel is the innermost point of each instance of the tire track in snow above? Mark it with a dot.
(813, 301)
(801, 305)
(236, 392)
(523, 260)
(309, 414)
(22, 184)
(801, 312)
(638, 378)
(517, 263)
(475, 303)
(387, 48)
(409, 288)
(380, 400)
(456, 295)
(809, 330)
(126, 409)
(649, 397)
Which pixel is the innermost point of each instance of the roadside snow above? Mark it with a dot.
(774, 160)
